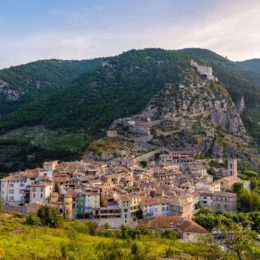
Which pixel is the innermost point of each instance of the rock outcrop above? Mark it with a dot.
(197, 114)
(10, 94)
(241, 106)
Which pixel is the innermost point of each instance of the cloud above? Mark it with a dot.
(228, 28)
(45, 46)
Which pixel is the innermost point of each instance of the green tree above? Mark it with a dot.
(107, 225)
(139, 213)
(1, 203)
(254, 183)
(208, 220)
(143, 163)
(142, 228)
(49, 216)
(92, 227)
(241, 241)
(237, 187)
(33, 219)
(124, 230)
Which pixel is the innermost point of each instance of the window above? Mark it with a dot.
(11, 185)
(33, 195)
(22, 185)
(11, 198)
(11, 191)
(41, 195)
(21, 191)
(125, 215)
(125, 210)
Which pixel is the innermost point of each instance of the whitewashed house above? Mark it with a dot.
(14, 185)
(40, 192)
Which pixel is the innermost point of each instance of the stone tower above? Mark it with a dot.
(68, 206)
(232, 167)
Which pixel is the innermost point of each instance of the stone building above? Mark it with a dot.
(219, 201)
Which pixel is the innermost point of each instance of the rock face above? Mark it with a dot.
(198, 114)
(10, 94)
(241, 106)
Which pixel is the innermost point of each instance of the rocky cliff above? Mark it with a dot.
(197, 114)
(7, 92)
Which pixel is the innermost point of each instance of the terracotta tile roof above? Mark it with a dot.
(41, 184)
(174, 222)
(16, 177)
(224, 194)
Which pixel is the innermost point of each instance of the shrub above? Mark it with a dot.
(92, 227)
(33, 219)
(124, 231)
(143, 163)
(142, 228)
(1, 203)
(80, 227)
(49, 216)
(250, 173)
(107, 225)
(171, 234)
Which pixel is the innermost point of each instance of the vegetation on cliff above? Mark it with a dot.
(87, 96)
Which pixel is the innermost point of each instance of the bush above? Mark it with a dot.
(80, 227)
(250, 173)
(171, 234)
(243, 177)
(107, 225)
(92, 227)
(143, 163)
(237, 187)
(33, 219)
(49, 216)
(1, 203)
(142, 228)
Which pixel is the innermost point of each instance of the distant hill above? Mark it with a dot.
(81, 99)
(22, 84)
(253, 64)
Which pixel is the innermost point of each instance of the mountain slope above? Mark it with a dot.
(253, 64)
(196, 115)
(119, 87)
(22, 84)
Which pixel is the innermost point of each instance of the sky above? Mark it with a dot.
(80, 29)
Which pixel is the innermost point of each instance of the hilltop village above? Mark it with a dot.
(121, 191)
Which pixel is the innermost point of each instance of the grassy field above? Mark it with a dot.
(20, 241)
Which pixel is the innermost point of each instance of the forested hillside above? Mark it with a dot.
(87, 96)
(22, 84)
(253, 64)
